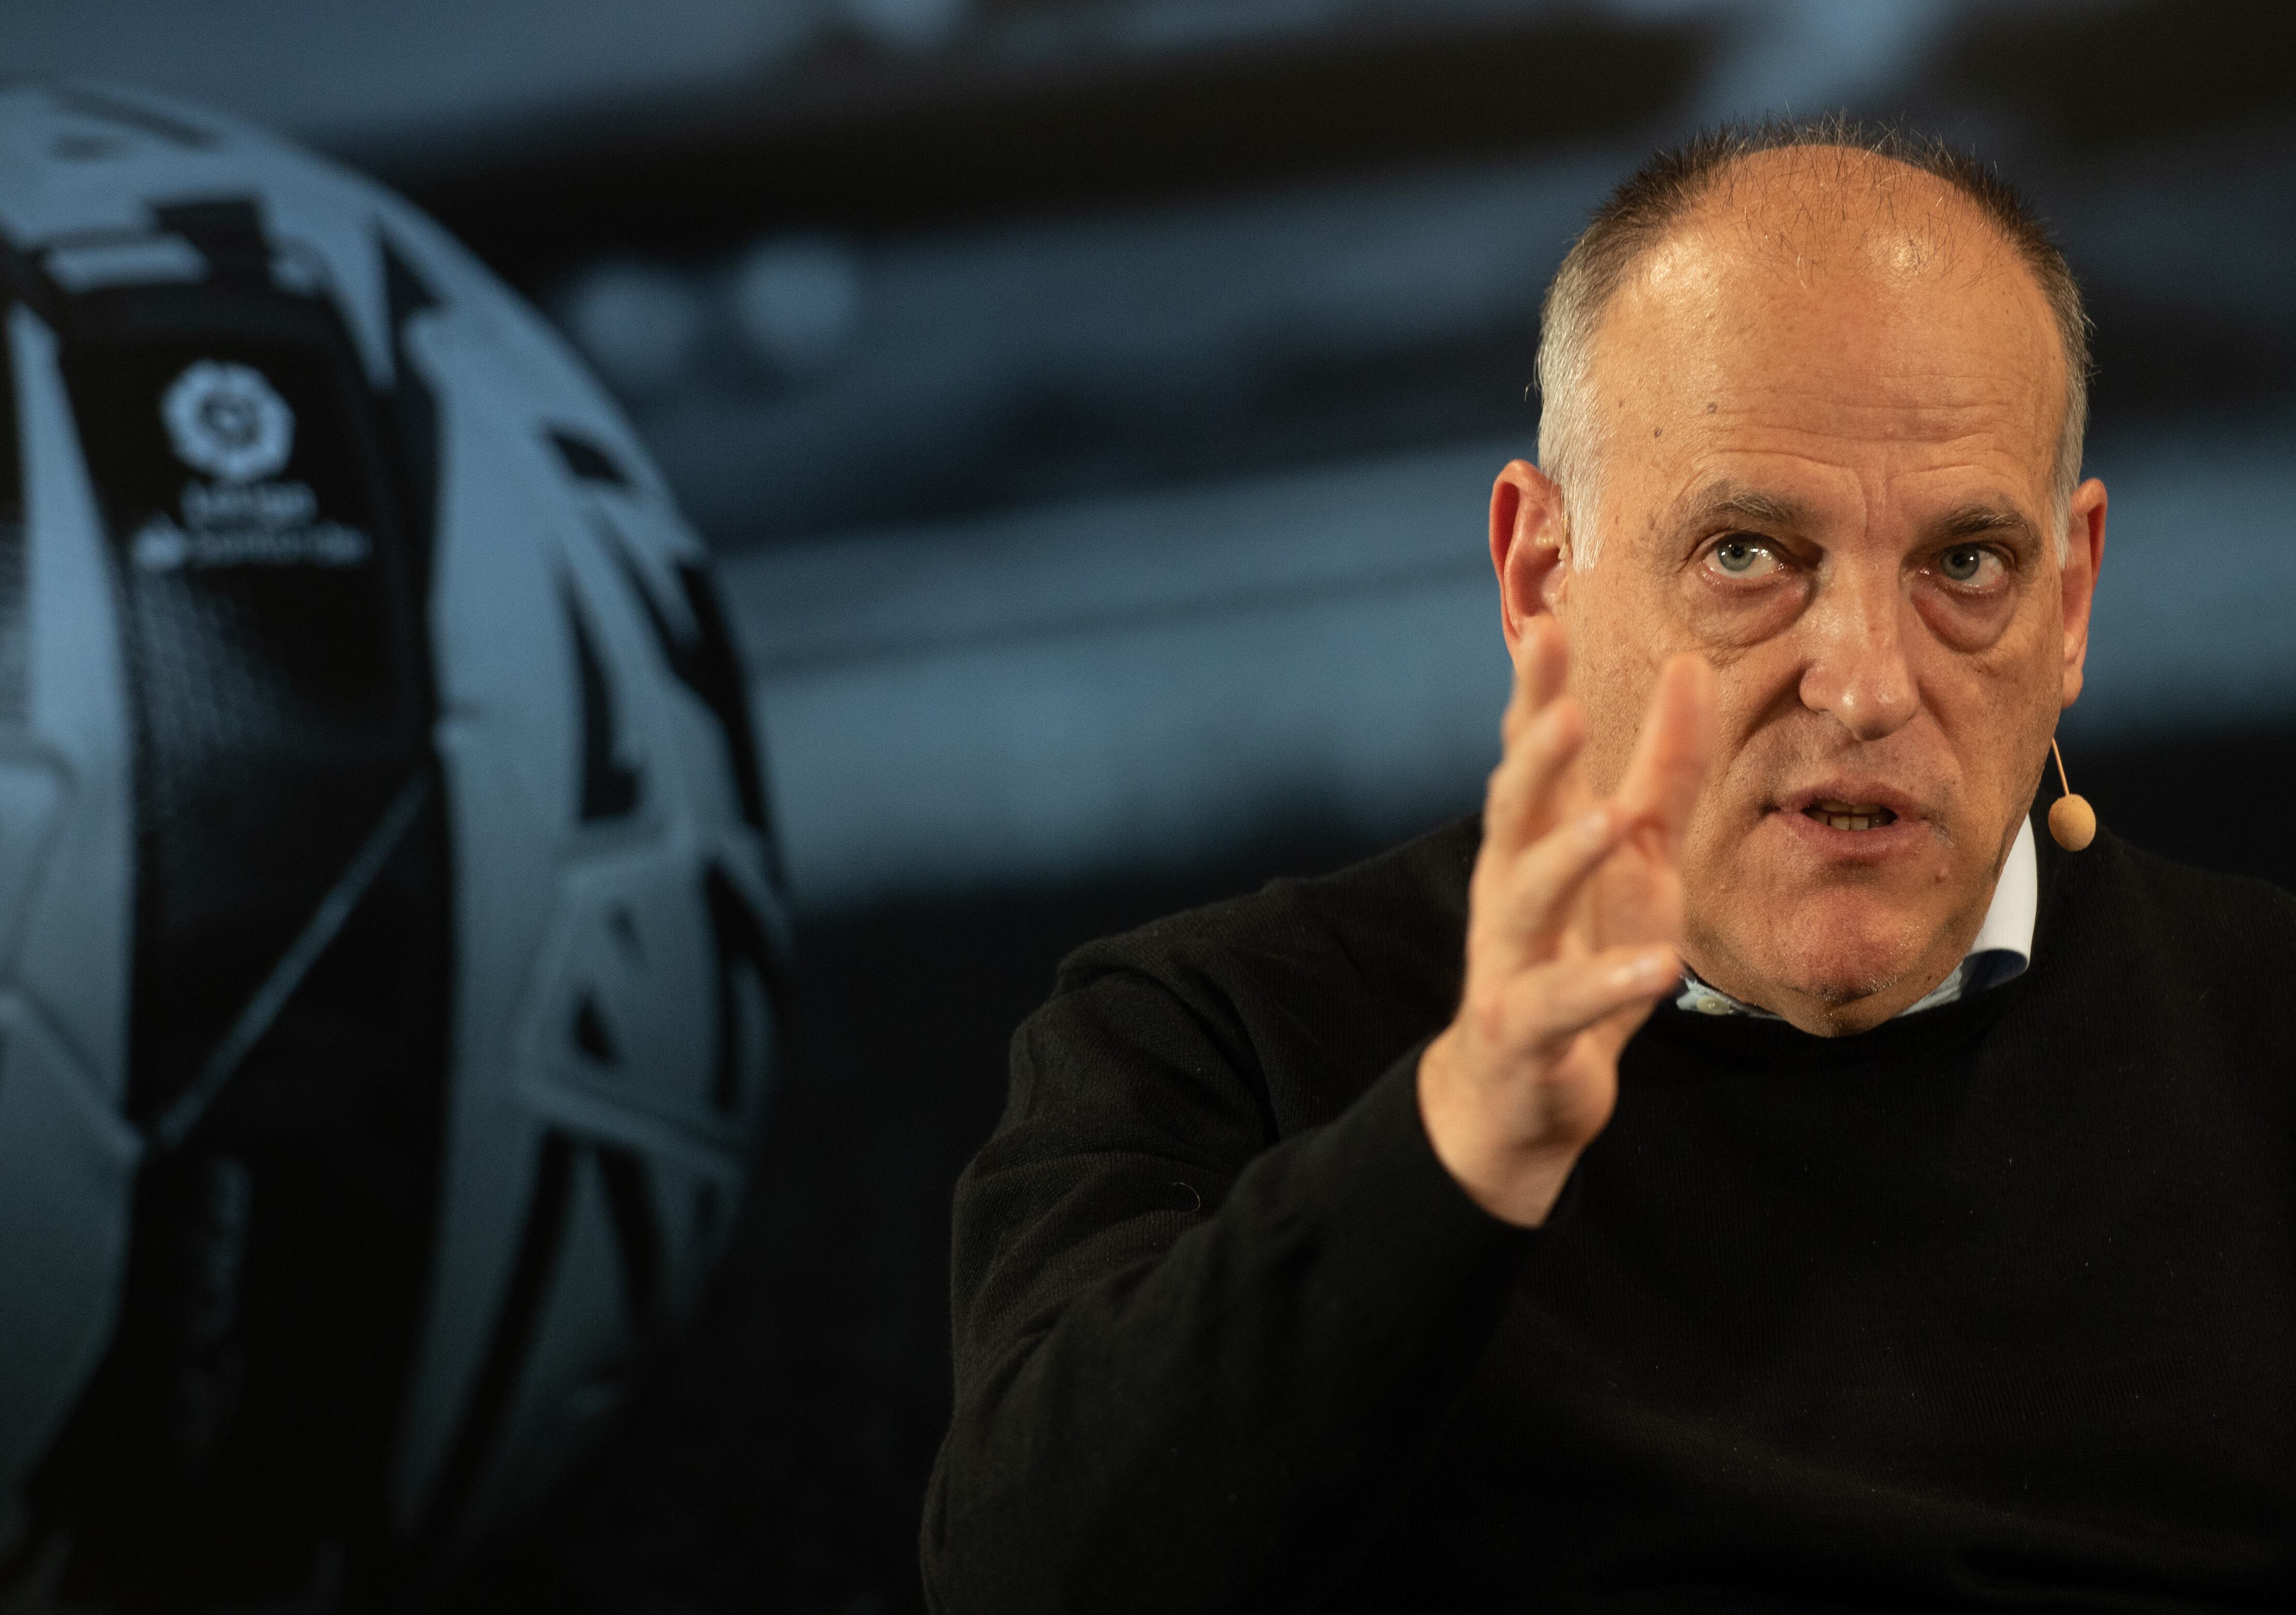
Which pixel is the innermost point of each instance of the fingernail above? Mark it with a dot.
(1594, 828)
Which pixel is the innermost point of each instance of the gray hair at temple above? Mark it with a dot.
(1663, 192)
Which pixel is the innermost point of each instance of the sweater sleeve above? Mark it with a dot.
(1196, 1366)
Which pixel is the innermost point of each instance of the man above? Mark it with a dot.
(1744, 1170)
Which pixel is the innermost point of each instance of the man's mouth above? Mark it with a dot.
(1850, 815)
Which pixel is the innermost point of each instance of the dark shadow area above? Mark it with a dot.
(2200, 799)
(778, 1459)
(856, 147)
(2126, 73)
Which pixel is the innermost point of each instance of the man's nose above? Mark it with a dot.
(1857, 670)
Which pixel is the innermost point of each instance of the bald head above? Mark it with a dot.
(1823, 207)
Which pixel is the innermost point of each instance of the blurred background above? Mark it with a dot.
(1092, 405)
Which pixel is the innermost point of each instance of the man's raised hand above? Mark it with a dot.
(1574, 918)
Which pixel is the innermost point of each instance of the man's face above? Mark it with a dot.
(1825, 457)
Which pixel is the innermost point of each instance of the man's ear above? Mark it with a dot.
(2077, 577)
(1527, 546)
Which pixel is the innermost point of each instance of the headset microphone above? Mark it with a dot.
(2072, 822)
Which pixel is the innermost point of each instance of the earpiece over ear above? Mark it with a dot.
(2072, 822)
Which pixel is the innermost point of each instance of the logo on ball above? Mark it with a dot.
(225, 419)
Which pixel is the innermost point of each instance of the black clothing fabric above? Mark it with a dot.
(1991, 1307)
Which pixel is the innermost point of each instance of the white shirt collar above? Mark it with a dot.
(2001, 949)
(2008, 927)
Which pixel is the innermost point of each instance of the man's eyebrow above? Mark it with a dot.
(1962, 521)
(1724, 499)
(1970, 521)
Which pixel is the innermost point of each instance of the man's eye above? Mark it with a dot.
(1744, 558)
(1968, 563)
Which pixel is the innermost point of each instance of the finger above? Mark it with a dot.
(1519, 806)
(1633, 897)
(1542, 659)
(1548, 1006)
(1671, 754)
(1544, 883)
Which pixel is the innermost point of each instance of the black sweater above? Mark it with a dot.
(1992, 1305)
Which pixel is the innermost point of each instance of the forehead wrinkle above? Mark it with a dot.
(1980, 428)
(1917, 393)
(1773, 224)
(1691, 275)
